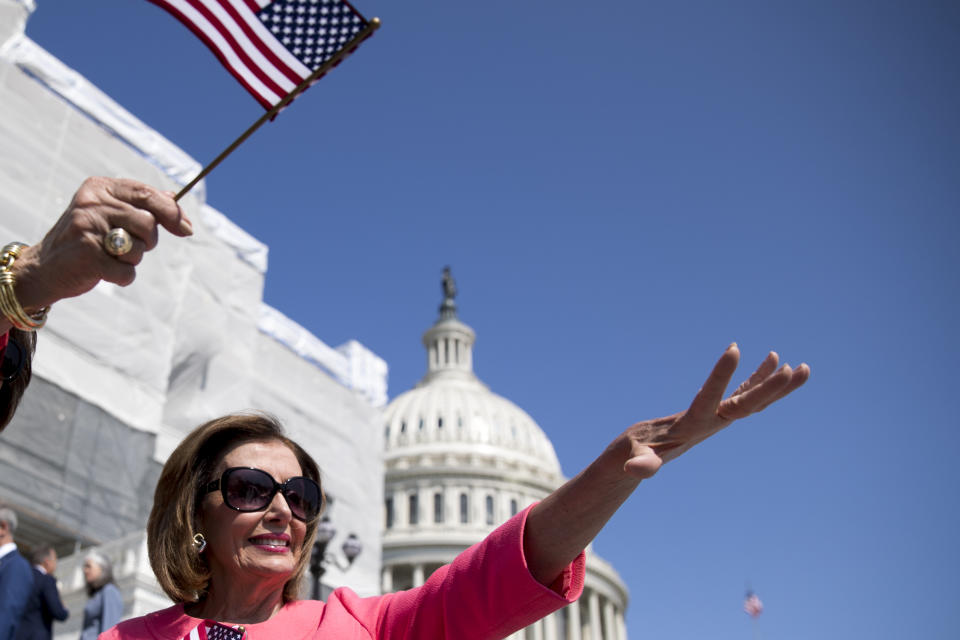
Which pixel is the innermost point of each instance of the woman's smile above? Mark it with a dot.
(272, 542)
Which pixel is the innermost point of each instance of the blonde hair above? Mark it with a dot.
(182, 572)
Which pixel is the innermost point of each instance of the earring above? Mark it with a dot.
(199, 542)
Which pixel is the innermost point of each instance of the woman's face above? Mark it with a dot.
(262, 546)
(91, 571)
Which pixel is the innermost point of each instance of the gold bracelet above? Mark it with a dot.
(9, 305)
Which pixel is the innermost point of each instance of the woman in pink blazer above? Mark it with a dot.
(237, 505)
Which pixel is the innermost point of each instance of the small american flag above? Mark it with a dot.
(752, 605)
(270, 46)
(212, 630)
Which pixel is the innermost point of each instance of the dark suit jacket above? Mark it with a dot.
(43, 607)
(16, 583)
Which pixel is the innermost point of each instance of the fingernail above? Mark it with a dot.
(186, 227)
(732, 345)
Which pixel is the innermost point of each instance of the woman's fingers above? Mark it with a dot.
(137, 222)
(707, 400)
(117, 272)
(800, 375)
(135, 254)
(768, 366)
(743, 404)
(161, 205)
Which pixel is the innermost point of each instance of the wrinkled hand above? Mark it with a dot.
(70, 260)
(657, 441)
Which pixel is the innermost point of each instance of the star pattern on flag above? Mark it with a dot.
(312, 30)
(222, 632)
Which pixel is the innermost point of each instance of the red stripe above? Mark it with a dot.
(254, 5)
(271, 84)
(215, 49)
(267, 52)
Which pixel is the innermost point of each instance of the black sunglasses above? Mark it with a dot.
(247, 489)
(12, 363)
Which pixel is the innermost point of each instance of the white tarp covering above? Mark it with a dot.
(247, 248)
(352, 364)
(79, 92)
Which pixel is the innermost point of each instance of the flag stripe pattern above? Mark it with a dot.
(270, 46)
(213, 630)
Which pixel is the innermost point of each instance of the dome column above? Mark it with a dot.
(621, 626)
(593, 604)
(573, 621)
(418, 578)
(609, 620)
(538, 630)
(550, 626)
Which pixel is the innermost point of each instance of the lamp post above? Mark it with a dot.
(320, 558)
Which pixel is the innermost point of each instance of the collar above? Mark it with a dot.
(10, 547)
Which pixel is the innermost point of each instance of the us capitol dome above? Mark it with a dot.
(459, 461)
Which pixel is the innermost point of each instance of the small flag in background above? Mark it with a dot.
(752, 605)
(270, 46)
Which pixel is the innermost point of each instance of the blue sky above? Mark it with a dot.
(622, 189)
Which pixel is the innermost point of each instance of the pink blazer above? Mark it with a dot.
(485, 593)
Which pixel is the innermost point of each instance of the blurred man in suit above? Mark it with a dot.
(16, 577)
(44, 605)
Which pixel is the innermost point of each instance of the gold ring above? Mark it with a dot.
(117, 242)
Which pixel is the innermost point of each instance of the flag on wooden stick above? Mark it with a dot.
(272, 46)
(275, 48)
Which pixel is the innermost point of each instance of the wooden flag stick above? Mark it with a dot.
(335, 59)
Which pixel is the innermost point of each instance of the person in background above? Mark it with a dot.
(103, 234)
(16, 577)
(44, 605)
(105, 606)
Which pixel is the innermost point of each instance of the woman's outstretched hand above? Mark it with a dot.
(654, 442)
(565, 522)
